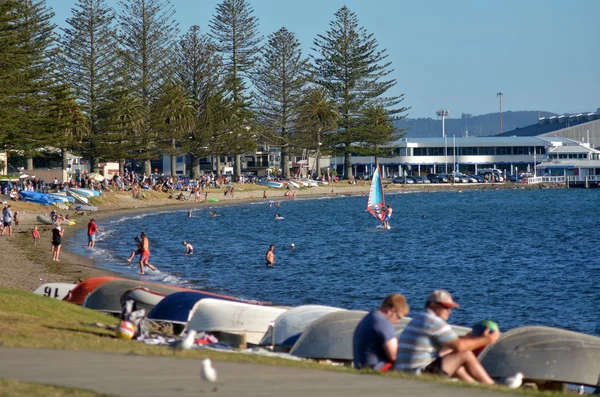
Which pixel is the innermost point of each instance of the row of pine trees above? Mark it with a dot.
(126, 84)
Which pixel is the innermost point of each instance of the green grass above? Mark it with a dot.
(12, 388)
(35, 321)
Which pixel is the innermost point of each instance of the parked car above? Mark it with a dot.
(435, 178)
(400, 179)
(478, 178)
(420, 179)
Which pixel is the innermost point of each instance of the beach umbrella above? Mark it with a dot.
(96, 176)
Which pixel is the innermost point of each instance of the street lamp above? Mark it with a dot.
(500, 95)
(443, 114)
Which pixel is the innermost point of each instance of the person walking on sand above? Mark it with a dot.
(145, 254)
(57, 234)
(7, 216)
(91, 231)
(36, 236)
(189, 249)
(270, 256)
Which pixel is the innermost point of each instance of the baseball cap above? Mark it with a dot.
(442, 297)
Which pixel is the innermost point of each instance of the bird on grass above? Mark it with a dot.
(208, 372)
(513, 382)
(185, 343)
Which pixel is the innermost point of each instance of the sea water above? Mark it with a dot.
(518, 257)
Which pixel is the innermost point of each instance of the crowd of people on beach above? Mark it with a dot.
(428, 344)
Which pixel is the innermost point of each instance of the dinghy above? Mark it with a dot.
(81, 290)
(107, 297)
(54, 290)
(544, 354)
(288, 327)
(143, 297)
(233, 317)
(178, 307)
(79, 199)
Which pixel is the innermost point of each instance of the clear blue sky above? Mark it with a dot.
(453, 55)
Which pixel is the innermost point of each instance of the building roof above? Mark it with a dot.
(480, 141)
(550, 124)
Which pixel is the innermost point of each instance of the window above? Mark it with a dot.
(468, 151)
(436, 151)
(487, 151)
(420, 151)
(503, 150)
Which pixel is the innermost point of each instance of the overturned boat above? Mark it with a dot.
(544, 354)
(289, 325)
(233, 317)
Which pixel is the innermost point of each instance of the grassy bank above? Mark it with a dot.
(39, 322)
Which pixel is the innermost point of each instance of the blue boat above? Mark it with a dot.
(176, 308)
(277, 185)
(39, 198)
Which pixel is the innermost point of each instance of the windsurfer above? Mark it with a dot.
(388, 215)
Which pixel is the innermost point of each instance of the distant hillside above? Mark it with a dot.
(483, 125)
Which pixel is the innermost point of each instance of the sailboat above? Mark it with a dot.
(376, 204)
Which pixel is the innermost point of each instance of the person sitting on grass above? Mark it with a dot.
(429, 345)
(374, 343)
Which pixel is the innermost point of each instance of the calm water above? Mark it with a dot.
(519, 257)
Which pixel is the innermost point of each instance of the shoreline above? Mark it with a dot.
(26, 266)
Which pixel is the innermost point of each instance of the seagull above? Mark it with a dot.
(187, 342)
(208, 372)
(513, 382)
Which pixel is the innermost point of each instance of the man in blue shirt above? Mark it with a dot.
(428, 344)
(375, 344)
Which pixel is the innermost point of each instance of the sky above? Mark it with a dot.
(450, 55)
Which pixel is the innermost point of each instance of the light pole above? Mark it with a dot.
(443, 114)
(500, 95)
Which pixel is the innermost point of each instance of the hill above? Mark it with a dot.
(482, 125)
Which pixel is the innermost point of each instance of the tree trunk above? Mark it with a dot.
(147, 168)
(285, 162)
(29, 163)
(218, 165)
(195, 171)
(173, 160)
(94, 164)
(237, 167)
(348, 164)
(122, 166)
(65, 160)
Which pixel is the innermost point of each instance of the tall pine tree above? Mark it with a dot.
(354, 72)
(279, 79)
(33, 77)
(88, 54)
(200, 71)
(234, 31)
(147, 38)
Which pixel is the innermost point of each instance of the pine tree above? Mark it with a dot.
(279, 79)
(318, 117)
(148, 33)
(12, 61)
(234, 31)
(353, 70)
(173, 119)
(34, 38)
(200, 71)
(89, 50)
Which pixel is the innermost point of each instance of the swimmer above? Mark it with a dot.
(277, 216)
(270, 257)
(189, 213)
(189, 249)
(292, 246)
(213, 214)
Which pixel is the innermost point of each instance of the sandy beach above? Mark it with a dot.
(25, 266)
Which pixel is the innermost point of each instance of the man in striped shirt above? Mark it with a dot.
(429, 345)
